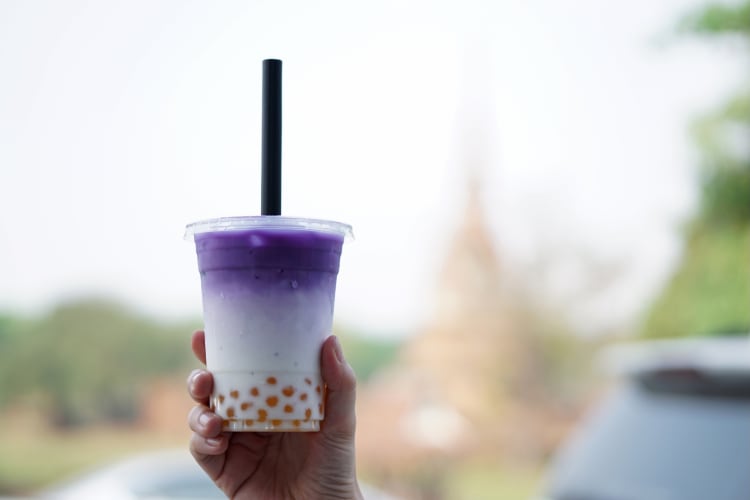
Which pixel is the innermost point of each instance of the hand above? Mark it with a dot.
(280, 465)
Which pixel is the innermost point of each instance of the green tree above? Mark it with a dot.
(367, 354)
(89, 361)
(11, 328)
(710, 290)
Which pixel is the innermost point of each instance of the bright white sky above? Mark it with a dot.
(120, 122)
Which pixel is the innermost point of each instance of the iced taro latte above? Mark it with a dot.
(268, 286)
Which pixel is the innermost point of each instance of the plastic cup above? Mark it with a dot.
(268, 285)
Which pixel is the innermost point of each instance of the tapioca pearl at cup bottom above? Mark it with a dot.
(270, 392)
(286, 396)
(248, 410)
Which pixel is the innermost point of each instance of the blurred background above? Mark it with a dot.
(528, 182)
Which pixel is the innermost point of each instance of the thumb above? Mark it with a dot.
(341, 389)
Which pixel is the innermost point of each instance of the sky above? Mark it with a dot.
(121, 122)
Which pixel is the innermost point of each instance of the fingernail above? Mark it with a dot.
(213, 441)
(204, 418)
(191, 377)
(337, 350)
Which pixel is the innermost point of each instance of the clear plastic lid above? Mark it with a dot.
(244, 223)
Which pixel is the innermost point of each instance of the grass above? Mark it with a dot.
(32, 456)
(471, 479)
(492, 481)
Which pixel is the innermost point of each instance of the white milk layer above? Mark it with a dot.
(280, 329)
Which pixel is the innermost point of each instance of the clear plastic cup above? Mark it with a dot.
(268, 285)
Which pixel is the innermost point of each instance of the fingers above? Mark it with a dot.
(207, 444)
(206, 425)
(204, 422)
(207, 451)
(199, 345)
(341, 387)
(200, 383)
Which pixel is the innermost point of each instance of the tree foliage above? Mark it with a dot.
(367, 354)
(709, 293)
(87, 361)
(719, 19)
(710, 290)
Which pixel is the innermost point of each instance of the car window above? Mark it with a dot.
(658, 445)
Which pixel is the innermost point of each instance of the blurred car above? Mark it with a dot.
(676, 427)
(166, 474)
(158, 475)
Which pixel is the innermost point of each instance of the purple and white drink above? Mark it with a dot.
(269, 285)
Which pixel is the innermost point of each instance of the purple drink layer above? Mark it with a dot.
(268, 297)
(278, 249)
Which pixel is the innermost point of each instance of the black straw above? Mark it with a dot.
(271, 147)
